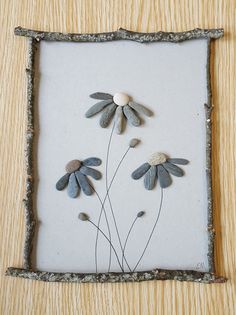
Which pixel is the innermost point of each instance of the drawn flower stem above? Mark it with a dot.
(104, 200)
(102, 209)
(108, 196)
(126, 240)
(108, 227)
(111, 245)
(85, 217)
(150, 236)
(106, 180)
(139, 215)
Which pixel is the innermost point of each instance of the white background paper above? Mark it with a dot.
(168, 78)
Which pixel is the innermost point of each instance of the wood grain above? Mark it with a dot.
(24, 297)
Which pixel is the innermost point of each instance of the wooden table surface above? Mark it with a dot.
(21, 297)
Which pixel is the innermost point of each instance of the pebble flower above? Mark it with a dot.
(76, 176)
(159, 167)
(121, 106)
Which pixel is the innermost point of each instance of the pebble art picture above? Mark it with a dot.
(118, 157)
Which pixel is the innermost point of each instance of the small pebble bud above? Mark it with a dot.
(140, 214)
(83, 216)
(73, 166)
(133, 142)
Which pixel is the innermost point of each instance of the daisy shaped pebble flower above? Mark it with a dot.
(76, 176)
(121, 106)
(159, 166)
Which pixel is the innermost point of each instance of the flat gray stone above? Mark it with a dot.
(84, 183)
(178, 161)
(150, 178)
(92, 161)
(119, 119)
(90, 172)
(173, 169)
(63, 181)
(163, 176)
(107, 115)
(131, 116)
(140, 109)
(73, 187)
(140, 171)
(98, 107)
(101, 96)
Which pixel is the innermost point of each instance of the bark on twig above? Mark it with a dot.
(156, 274)
(174, 37)
(28, 201)
(208, 110)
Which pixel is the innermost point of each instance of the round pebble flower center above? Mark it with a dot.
(73, 166)
(157, 158)
(121, 99)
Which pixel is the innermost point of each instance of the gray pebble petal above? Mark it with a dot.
(97, 108)
(84, 183)
(164, 177)
(173, 169)
(101, 96)
(131, 116)
(63, 181)
(140, 171)
(119, 117)
(140, 109)
(92, 161)
(178, 161)
(107, 115)
(90, 172)
(73, 187)
(150, 178)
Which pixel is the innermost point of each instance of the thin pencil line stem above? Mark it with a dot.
(111, 245)
(105, 198)
(117, 231)
(126, 240)
(118, 166)
(108, 196)
(150, 236)
(106, 177)
(107, 192)
(107, 222)
(102, 209)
